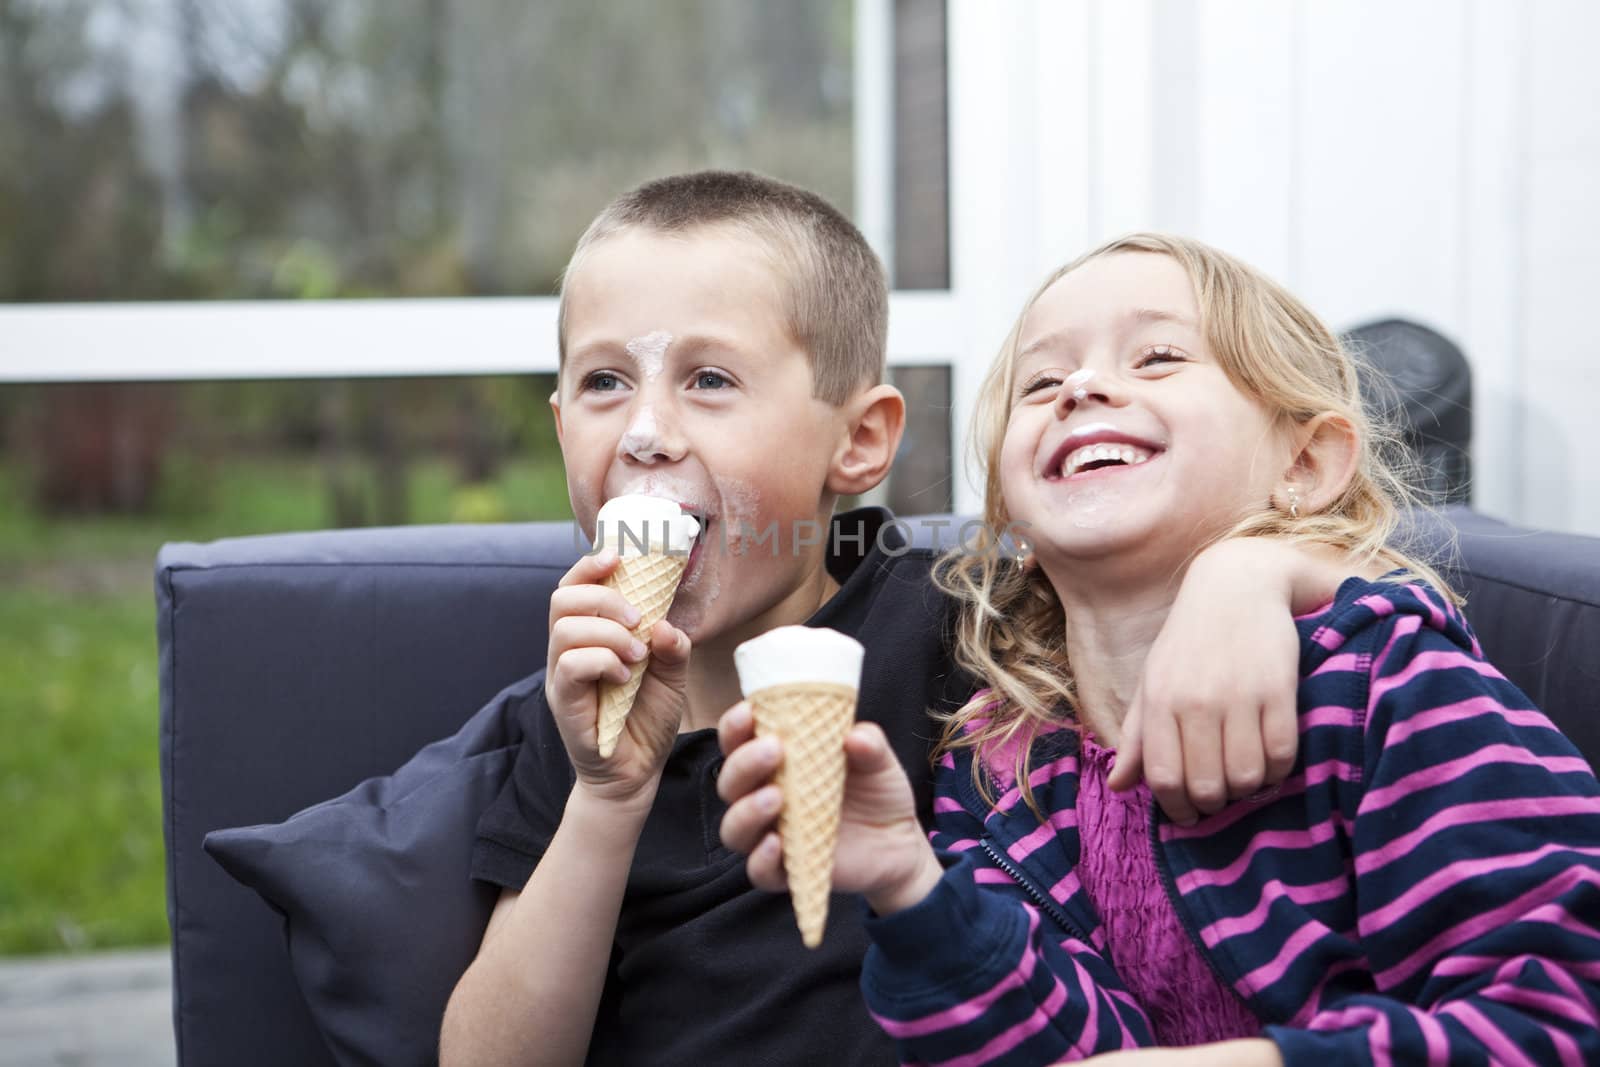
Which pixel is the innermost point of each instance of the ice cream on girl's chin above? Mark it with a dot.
(635, 523)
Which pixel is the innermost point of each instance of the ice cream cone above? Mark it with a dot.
(811, 719)
(801, 683)
(649, 583)
(652, 538)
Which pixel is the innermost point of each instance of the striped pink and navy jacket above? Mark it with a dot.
(1423, 888)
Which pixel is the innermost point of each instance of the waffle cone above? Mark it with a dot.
(649, 583)
(811, 719)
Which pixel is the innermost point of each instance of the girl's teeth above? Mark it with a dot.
(1130, 455)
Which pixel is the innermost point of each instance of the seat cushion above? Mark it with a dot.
(1533, 597)
(380, 914)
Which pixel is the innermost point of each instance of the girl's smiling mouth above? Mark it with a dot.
(1091, 458)
(1098, 447)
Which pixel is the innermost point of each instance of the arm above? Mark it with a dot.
(976, 970)
(536, 982)
(962, 964)
(1215, 715)
(1477, 864)
(534, 989)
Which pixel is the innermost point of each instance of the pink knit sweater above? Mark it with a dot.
(1186, 1002)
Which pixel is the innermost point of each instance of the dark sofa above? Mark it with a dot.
(295, 666)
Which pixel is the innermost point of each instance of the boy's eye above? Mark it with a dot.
(710, 379)
(1159, 354)
(602, 381)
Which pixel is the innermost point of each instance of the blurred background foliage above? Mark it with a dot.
(185, 149)
(297, 149)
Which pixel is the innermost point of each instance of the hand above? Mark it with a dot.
(1245, 1052)
(1215, 715)
(883, 852)
(591, 643)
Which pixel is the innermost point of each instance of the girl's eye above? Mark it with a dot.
(602, 381)
(1044, 381)
(710, 379)
(1160, 354)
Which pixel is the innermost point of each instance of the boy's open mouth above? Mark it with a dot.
(701, 539)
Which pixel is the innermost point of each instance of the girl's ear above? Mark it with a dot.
(555, 408)
(874, 421)
(1330, 448)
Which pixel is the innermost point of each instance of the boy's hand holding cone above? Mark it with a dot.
(609, 654)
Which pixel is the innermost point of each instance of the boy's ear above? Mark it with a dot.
(555, 408)
(1329, 451)
(874, 421)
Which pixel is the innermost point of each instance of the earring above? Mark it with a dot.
(1025, 558)
(1294, 502)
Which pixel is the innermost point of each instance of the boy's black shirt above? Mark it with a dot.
(705, 968)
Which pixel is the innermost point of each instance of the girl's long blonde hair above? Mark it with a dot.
(1010, 628)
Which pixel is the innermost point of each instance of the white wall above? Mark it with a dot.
(1436, 159)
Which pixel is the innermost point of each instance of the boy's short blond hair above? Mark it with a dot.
(835, 294)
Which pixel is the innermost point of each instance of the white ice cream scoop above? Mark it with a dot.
(786, 655)
(635, 524)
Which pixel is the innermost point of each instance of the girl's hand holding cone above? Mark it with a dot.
(591, 645)
(882, 849)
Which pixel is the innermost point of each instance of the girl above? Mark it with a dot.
(1425, 886)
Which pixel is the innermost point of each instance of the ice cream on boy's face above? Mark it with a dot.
(692, 329)
(635, 524)
(802, 682)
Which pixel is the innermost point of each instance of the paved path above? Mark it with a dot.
(99, 1008)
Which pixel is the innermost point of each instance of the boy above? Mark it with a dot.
(722, 344)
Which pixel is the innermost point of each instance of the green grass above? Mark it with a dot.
(82, 863)
(81, 860)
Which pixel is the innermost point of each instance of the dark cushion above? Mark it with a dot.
(1533, 597)
(380, 913)
(293, 667)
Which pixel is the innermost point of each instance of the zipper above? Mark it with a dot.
(1044, 900)
(970, 799)
(1170, 885)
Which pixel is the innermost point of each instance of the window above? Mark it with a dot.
(285, 264)
(179, 150)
